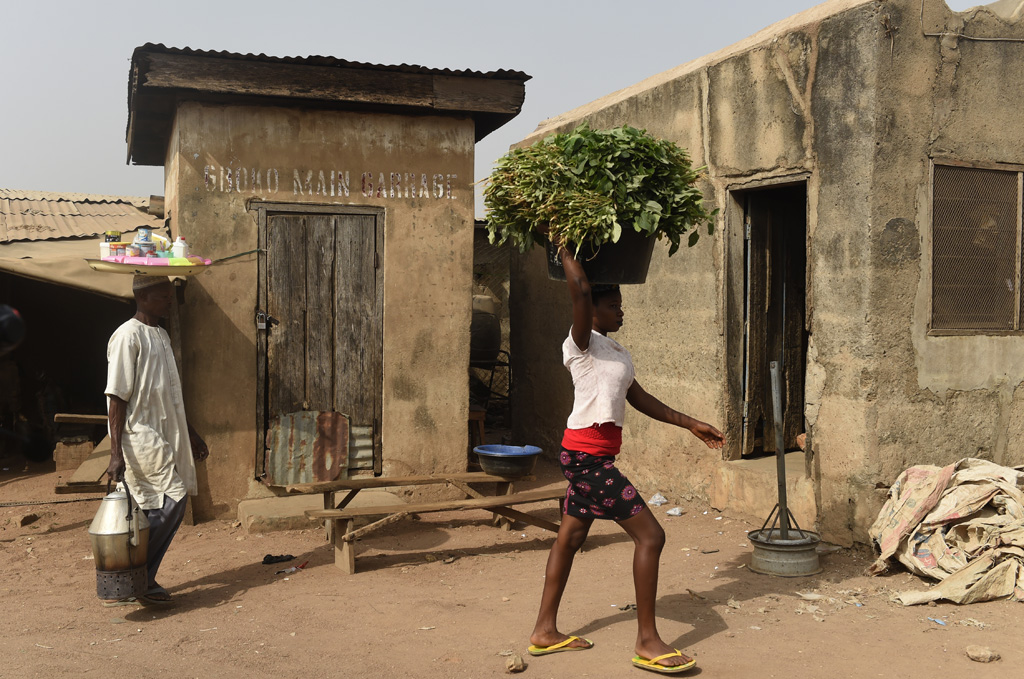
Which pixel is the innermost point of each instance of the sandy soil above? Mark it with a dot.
(451, 596)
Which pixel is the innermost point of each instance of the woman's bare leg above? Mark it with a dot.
(571, 536)
(648, 540)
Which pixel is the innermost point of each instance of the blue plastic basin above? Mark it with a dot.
(507, 460)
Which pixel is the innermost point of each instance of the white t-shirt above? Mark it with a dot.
(601, 376)
(157, 452)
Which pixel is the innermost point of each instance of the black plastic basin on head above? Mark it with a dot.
(625, 262)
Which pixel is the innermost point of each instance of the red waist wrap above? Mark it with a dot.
(598, 439)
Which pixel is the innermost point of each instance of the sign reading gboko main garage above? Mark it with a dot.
(257, 181)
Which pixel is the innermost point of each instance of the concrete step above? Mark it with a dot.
(750, 489)
(264, 515)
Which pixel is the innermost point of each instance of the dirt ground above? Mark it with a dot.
(451, 596)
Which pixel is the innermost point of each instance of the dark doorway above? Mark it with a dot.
(60, 366)
(321, 352)
(774, 313)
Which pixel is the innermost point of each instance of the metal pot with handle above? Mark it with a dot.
(119, 535)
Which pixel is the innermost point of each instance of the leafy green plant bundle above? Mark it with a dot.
(584, 187)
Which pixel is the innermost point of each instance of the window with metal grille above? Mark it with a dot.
(976, 249)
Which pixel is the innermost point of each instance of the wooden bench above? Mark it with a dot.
(341, 519)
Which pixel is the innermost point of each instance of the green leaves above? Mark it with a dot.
(587, 185)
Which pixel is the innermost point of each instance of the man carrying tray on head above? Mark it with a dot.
(152, 447)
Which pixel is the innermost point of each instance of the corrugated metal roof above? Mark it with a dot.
(41, 215)
(16, 194)
(501, 74)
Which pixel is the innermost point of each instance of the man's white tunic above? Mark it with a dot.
(155, 443)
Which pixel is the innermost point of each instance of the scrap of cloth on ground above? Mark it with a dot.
(962, 525)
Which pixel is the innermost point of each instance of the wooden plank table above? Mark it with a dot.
(340, 518)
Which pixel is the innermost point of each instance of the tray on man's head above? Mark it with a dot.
(147, 269)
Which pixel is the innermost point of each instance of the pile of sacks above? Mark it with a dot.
(962, 525)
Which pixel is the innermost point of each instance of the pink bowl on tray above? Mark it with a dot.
(160, 261)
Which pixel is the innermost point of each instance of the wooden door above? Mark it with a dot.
(757, 409)
(324, 344)
(775, 314)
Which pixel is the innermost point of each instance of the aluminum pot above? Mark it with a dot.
(119, 533)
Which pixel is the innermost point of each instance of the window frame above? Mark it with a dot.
(1018, 169)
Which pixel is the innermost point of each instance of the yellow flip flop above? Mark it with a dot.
(560, 646)
(654, 666)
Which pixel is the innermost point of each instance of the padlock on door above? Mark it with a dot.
(265, 320)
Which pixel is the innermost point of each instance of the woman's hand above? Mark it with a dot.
(711, 437)
(655, 409)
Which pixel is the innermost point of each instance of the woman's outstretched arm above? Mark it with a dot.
(582, 305)
(655, 409)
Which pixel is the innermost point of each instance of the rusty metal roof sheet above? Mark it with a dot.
(161, 77)
(40, 215)
(501, 74)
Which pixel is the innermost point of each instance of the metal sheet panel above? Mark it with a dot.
(307, 447)
(360, 448)
(38, 215)
(500, 74)
(19, 194)
(974, 249)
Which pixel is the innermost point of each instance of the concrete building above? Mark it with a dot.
(345, 190)
(873, 151)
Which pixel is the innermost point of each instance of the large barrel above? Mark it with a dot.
(484, 331)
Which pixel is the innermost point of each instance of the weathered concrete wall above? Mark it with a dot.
(935, 399)
(855, 96)
(843, 112)
(339, 158)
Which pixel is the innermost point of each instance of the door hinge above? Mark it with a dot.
(746, 226)
(376, 260)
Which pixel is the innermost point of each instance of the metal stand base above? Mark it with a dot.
(793, 558)
(122, 584)
(787, 551)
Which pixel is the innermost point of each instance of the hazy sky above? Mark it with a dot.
(64, 64)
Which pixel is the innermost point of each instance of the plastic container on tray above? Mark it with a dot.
(507, 460)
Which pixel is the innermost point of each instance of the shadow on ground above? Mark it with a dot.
(696, 607)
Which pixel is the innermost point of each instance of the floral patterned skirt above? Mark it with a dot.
(597, 489)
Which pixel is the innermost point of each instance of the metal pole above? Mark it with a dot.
(780, 451)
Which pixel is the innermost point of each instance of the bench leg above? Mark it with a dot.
(344, 552)
(502, 488)
(330, 503)
(329, 525)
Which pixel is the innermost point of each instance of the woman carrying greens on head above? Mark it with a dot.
(603, 379)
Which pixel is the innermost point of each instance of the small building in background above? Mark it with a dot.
(69, 312)
(340, 194)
